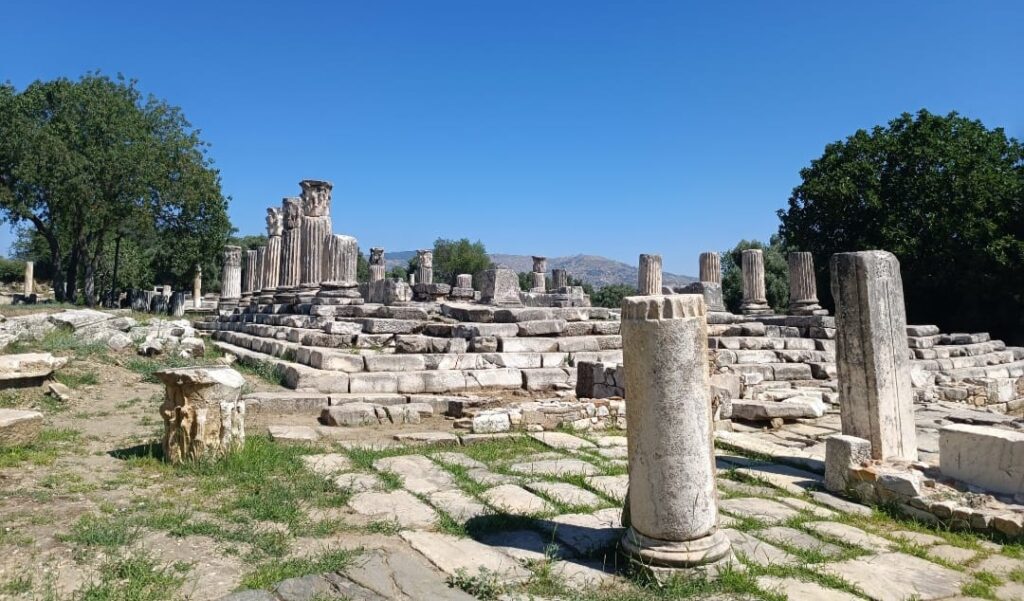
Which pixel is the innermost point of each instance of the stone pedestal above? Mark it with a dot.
(672, 500)
(378, 267)
(803, 287)
(875, 396)
(272, 257)
(203, 413)
(316, 228)
(340, 261)
(649, 280)
(30, 268)
(177, 304)
(230, 279)
(711, 268)
(291, 251)
(500, 287)
(197, 288)
(540, 283)
(559, 279)
(755, 301)
(389, 292)
(464, 280)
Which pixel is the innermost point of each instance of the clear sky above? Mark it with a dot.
(549, 127)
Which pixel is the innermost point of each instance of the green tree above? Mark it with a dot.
(776, 274)
(945, 194)
(454, 257)
(525, 280)
(91, 164)
(611, 296)
(362, 269)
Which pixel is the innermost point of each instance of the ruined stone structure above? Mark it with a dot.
(316, 227)
(539, 275)
(272, 256)
(649, 278)
(231, 278)
(425, 269)
(378, 268)
(340, 259)
(197, 288)
(203, 413)
(803, 286)
(291, 250)
(559, 279)
(250, 267)
(673, 512)
(755, 301)
(710, 268)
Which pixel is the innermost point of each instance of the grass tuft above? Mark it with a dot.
(277, 570)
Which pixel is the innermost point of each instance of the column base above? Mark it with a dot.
(676, 555)
(756, 309)
(807, 308)
(338, 295)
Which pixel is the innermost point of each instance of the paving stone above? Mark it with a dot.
(999, 565)
(401, 574)
(459, 459)
(524, 545)
(897, 577)
(281, 433)
(327, 464)
(555, 467)
(419, 474)
(612, 441)
(792, 537)
(840, 504)
(586, 534)
(399, 506)
(613, 487)
(249, 596)
(581, 576)
(516, 500)
(452, 555)
(850, 534)
(765, 510)
(726, 521)
(357, 482)
(487, 477)
(457, 504)
(1011, 591)
(565, 493)
(917, 538)
(731, 486)
(789, 479)
(801, 505)
(303, 588)
(614, 453)
(800, 590)
(954, 555)
(562, 440)
(433, 439)
(757, 551)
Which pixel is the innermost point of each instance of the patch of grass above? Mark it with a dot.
(385, 527)
(1016, 575)
(135, 578)
(449, 525)
(461, 476)
(77, 378)
(330, 560)
(262, 369)
(16, 585)
(10, 399)
(107, 532)
(390, 480)
(485, 584)
(979, 588)
(505, 450)
(44, 451)
(60, 341)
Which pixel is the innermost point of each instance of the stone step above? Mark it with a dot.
(958, 363)
(773, 371)
(568, 344)
(1014, 369)
(293, 375)
(728, 357)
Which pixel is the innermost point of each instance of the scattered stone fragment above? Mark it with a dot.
(58, 391)
(516, 500)
(28, 367)
(203, 413)
(350, 414)
(432, 439)
(811, 508)
(282, 433)
(918, 538)
(396, 506)
(897, 577)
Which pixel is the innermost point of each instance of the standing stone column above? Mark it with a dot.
(316, 227)
(710, 267)
(673, 506)
(559, 278)
(464, 280)
(803, 287)
(176, 307)
(378, 268)
(231, 278)
(257, 280)
(425, 272)
(30, 269)
(340, 261)
(876, 400)
(540, 270)
(272, 257)
(249, 269)
(197, 288)
(755, 301)
(649, 280)
(291, 250)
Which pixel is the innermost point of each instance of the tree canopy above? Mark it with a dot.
(90, 166)
(453, 257)
(945, 194)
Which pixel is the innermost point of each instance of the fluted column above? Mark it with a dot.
(249, 268)
(803, 287)
(559, 278)
(272, 257)
(755, 301)
(316, 227)
(257, 284)
(710, 267)
(672, 500)
(378, 268)
(231, 278)
(649, 279)
(425, 272)
(540, 269)
(291, 250)
(340, 262)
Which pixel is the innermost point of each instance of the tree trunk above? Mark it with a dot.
(91, 259)
(72, 272)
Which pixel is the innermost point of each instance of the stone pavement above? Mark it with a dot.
(510, 517)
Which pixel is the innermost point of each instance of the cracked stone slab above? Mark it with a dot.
(516, 500)
(357, 482)
(555, 467)
(327, 464)
(851, 535)
(613, 487)
(457, 504)
(419, 474)
(562, 440)
(897, 577)
(583, 576)
(399, 506)
(524, 545)
(587, 534)
(811, 508)
(565, 493)
(401, 574)
(801, 590)
(451, 554)
(459, 459)
(799, 539)
(765, 510)
(758, 551)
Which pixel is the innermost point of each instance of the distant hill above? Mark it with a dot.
(598, 271)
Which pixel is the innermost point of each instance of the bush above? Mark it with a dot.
(11, 270)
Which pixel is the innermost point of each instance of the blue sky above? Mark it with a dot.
(540, 127)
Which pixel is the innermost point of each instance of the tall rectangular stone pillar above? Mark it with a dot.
(875, 395)
(30, 268)
(197, 288)
(425, 271)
